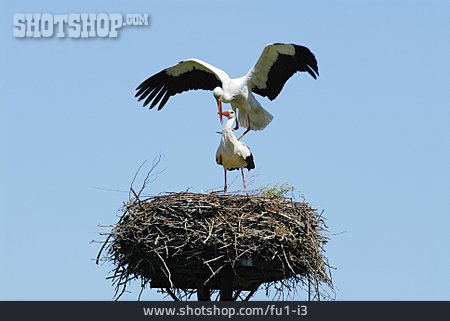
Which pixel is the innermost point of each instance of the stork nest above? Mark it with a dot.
(182, 242)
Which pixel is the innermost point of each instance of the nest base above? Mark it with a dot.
(242, 278)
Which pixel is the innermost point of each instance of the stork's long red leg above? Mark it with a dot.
(225, 187)
(243, 180)
(248, 128)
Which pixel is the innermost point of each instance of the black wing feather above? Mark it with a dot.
(283, 69)
(151, 95)
(250, 162)
(161, 86)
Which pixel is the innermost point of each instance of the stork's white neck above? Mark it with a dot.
(229, 124)
(227, 133)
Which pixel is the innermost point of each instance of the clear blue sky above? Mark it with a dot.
(368, 142)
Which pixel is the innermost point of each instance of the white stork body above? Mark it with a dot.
(237, 93)
(231, 153)
(277, 63)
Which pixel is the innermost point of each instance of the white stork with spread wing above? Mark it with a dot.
(277, 63)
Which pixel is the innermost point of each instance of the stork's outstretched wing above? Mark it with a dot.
(186, 75)
(277, 63)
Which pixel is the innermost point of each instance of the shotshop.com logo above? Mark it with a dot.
(74, 25)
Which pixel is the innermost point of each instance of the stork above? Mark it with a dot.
(277, 63)
(233, 154)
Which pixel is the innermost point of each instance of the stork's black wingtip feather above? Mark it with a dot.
(142, 84)
(316, 69)
(154, 103)
(161, 105)
(312, 71)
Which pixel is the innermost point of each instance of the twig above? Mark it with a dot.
(169, 275)
(134, 178)
(172, 295)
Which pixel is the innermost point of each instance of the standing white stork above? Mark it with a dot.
(277, 63)
(233, 154)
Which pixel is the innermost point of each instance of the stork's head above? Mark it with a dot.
(218, 92)
(229, 114)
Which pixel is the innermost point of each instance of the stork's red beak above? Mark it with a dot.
(219, 107)
(226, 113)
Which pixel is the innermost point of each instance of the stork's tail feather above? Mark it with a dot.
(250, 162)
(259, 118)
